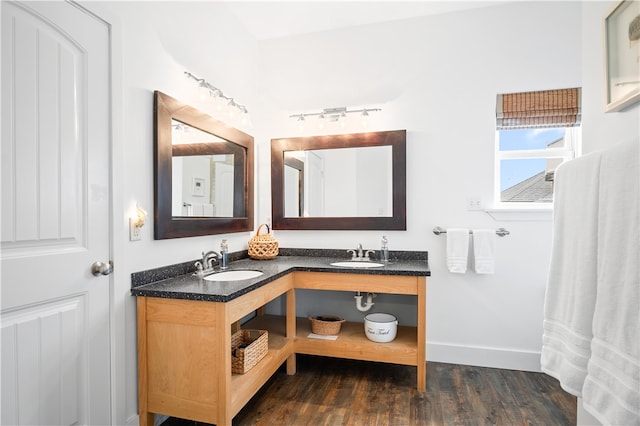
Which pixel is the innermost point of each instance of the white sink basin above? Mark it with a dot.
(233, 275)
(357, 264)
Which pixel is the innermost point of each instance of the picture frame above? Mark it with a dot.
(197, 187)
(621, 29)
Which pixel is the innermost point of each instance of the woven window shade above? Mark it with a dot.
(546, 108)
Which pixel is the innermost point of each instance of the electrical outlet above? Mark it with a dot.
(135, 232)
(473, 204)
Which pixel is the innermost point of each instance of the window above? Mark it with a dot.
(536, 132)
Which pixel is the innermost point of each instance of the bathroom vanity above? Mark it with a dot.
(185, 325)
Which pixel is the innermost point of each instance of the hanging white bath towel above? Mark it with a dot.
(571, 287)
(457, 250)
(484, 241)
(611, 391)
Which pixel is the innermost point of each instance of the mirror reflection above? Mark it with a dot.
(202, 185)
(353, 181)
(203, 173)
(345, 182)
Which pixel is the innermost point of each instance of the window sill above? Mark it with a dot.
(525, 215)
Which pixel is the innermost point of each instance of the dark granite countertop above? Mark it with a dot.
(179, 282)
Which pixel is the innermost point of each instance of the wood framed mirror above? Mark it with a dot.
(339, 182)
(203, 173)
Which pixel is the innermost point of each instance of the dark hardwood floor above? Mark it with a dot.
(328, 391)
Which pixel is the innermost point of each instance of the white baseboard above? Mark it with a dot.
(135, 420)
(480, 356)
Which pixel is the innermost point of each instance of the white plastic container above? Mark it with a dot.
(381, 328)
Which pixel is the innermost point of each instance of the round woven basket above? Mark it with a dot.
(263, 246)
(326, 324)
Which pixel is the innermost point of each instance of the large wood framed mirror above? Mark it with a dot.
(340, 182)
(203, 173)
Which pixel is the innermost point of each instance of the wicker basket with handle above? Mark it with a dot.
(263, 246)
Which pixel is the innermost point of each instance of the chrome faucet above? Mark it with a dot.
(205, 265)
(359, 254)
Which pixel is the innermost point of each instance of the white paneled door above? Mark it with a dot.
(55, 215)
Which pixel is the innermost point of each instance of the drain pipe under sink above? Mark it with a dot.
(366, 306)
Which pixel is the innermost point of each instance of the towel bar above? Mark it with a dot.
(500, 232)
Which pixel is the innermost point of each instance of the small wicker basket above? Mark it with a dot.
(263, 246)
(326, 325)
(248, 347)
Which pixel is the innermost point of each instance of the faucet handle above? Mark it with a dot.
(353, 253)
(366, 255)
(213, 258)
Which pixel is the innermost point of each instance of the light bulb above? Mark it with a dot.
(364, 119)
(343, 120)
(246, 120)
(301, 122)
(220, 103)
(233, 109)
(204, 92)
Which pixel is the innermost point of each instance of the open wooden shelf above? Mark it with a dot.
(351, 342)
(280, 348)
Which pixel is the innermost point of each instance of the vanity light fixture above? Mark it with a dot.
(222, 102)
(335, 115)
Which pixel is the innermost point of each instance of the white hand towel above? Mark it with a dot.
(207, 209)
(196, 209)
(611, 390)
(484, 241)
(571, 287)
(457, 250)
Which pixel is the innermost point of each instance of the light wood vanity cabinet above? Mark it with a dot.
(184, 352)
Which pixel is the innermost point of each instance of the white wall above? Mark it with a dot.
(437, 77)
(161, 40)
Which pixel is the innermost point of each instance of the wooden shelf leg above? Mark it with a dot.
(223, 326)
(422, 334)
(422, 377)
(291, 329)
(145, 418)
(291, 365)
